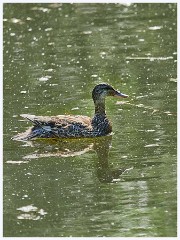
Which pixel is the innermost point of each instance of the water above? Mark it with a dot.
(123, 185)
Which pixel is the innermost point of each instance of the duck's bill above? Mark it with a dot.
(120, 95)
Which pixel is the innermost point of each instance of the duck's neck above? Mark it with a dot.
(100, 107)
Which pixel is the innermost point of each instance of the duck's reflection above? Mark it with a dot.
(105, 173)
(57, 148)
(75, 147)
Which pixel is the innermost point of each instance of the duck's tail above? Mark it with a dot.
(38, 130)
(27, 135)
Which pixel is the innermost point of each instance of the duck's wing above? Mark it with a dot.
(58, 121)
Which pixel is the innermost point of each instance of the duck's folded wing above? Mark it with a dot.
(58, 121)
(37, 120)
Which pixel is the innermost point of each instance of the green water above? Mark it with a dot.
(123, 185)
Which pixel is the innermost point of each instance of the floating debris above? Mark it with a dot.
(30, 212)
(28, 216)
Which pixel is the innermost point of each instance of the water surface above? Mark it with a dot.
(122, 185)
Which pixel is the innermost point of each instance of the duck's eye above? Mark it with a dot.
(103, 92)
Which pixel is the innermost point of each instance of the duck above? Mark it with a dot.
(73, 126)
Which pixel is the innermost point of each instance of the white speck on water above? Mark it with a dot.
(150, 130)
(28, 216)
(102, 53)
(15, 20)
(25, 196)
(28, 208)
(35, 39)
(155, 28)
(51, 43)
(49, 70)
(152, 145)
(16, 162)
(23, 92)
(48, 29)
(45, 78)
(42, 212)
(87, 32)
(173, 80)
(41, 9)
(149, 58)
(75, 108)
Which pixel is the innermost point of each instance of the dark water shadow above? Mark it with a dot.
(75, 147)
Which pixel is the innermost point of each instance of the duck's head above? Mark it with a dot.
(102, 90)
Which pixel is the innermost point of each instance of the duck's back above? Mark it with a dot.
(59, 120)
